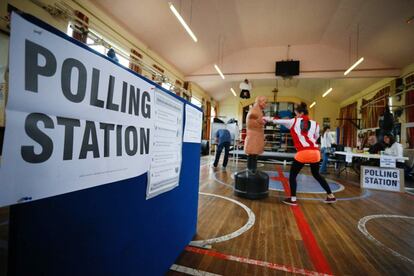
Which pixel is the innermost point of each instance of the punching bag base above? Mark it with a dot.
(251, 185)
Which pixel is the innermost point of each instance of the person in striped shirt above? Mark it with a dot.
(304, 132)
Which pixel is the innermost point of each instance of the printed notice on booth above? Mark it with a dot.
(193, 124)
(165, 167)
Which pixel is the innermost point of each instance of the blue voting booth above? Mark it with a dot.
(109, 229)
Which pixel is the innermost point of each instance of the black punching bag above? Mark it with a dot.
(251, 183)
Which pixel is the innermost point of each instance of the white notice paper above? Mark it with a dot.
(387, 162)
(166, 157)
(193, 124)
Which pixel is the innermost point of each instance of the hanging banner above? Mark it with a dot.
(74, 119)
(193, 124)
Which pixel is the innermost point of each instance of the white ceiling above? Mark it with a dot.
(256, 34)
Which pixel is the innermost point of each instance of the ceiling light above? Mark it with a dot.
(189, 31)
(312, 105)
(232, 91)
(327, 92)
(353, 66)
(219, 71)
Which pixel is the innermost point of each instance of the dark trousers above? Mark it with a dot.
(294, 171)
(226, 146)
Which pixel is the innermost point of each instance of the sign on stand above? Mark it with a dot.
(387, 161)
(386, 179)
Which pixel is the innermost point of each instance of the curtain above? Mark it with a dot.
(409, 111)
(178, 84)
(348, 133)
(207, 119)
(81, 23)
(154, 77)
(371, 113)
(135, 56)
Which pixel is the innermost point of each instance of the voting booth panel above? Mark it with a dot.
(233, 128)
(108, 162)
(107, 230)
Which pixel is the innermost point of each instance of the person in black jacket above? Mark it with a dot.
(375, 147)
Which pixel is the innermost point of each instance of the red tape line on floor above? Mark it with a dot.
(315, 253)
(245, 260)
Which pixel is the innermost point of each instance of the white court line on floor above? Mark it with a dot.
(365, 193)
(250, 222)
(191, 271)
(341, 187)
(363, 229)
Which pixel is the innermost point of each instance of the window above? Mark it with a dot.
(69, 30)
(94, 39)
(123, 61)
(196, 101)
(186, 97)
(166, 85)
(97, 47)
(213, 112)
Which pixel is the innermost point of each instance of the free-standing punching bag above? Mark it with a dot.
(253, 183)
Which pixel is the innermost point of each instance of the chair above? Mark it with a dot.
(409, 164)
(338, 160)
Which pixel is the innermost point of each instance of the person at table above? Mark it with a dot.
(393, 148)
(223, 139)
(375, 147)
(304, 132)
(326, 143)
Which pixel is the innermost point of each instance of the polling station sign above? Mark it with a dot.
(382, 179)
(74, 119)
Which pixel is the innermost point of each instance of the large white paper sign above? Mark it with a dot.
(381, 179)
(74, 119)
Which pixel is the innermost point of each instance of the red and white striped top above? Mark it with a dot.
(304, 135)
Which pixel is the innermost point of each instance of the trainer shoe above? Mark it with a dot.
(289, 201)
(330, 200)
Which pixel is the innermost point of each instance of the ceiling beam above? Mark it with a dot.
(320, 74)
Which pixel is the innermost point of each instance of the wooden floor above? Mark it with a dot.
(275, 244)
